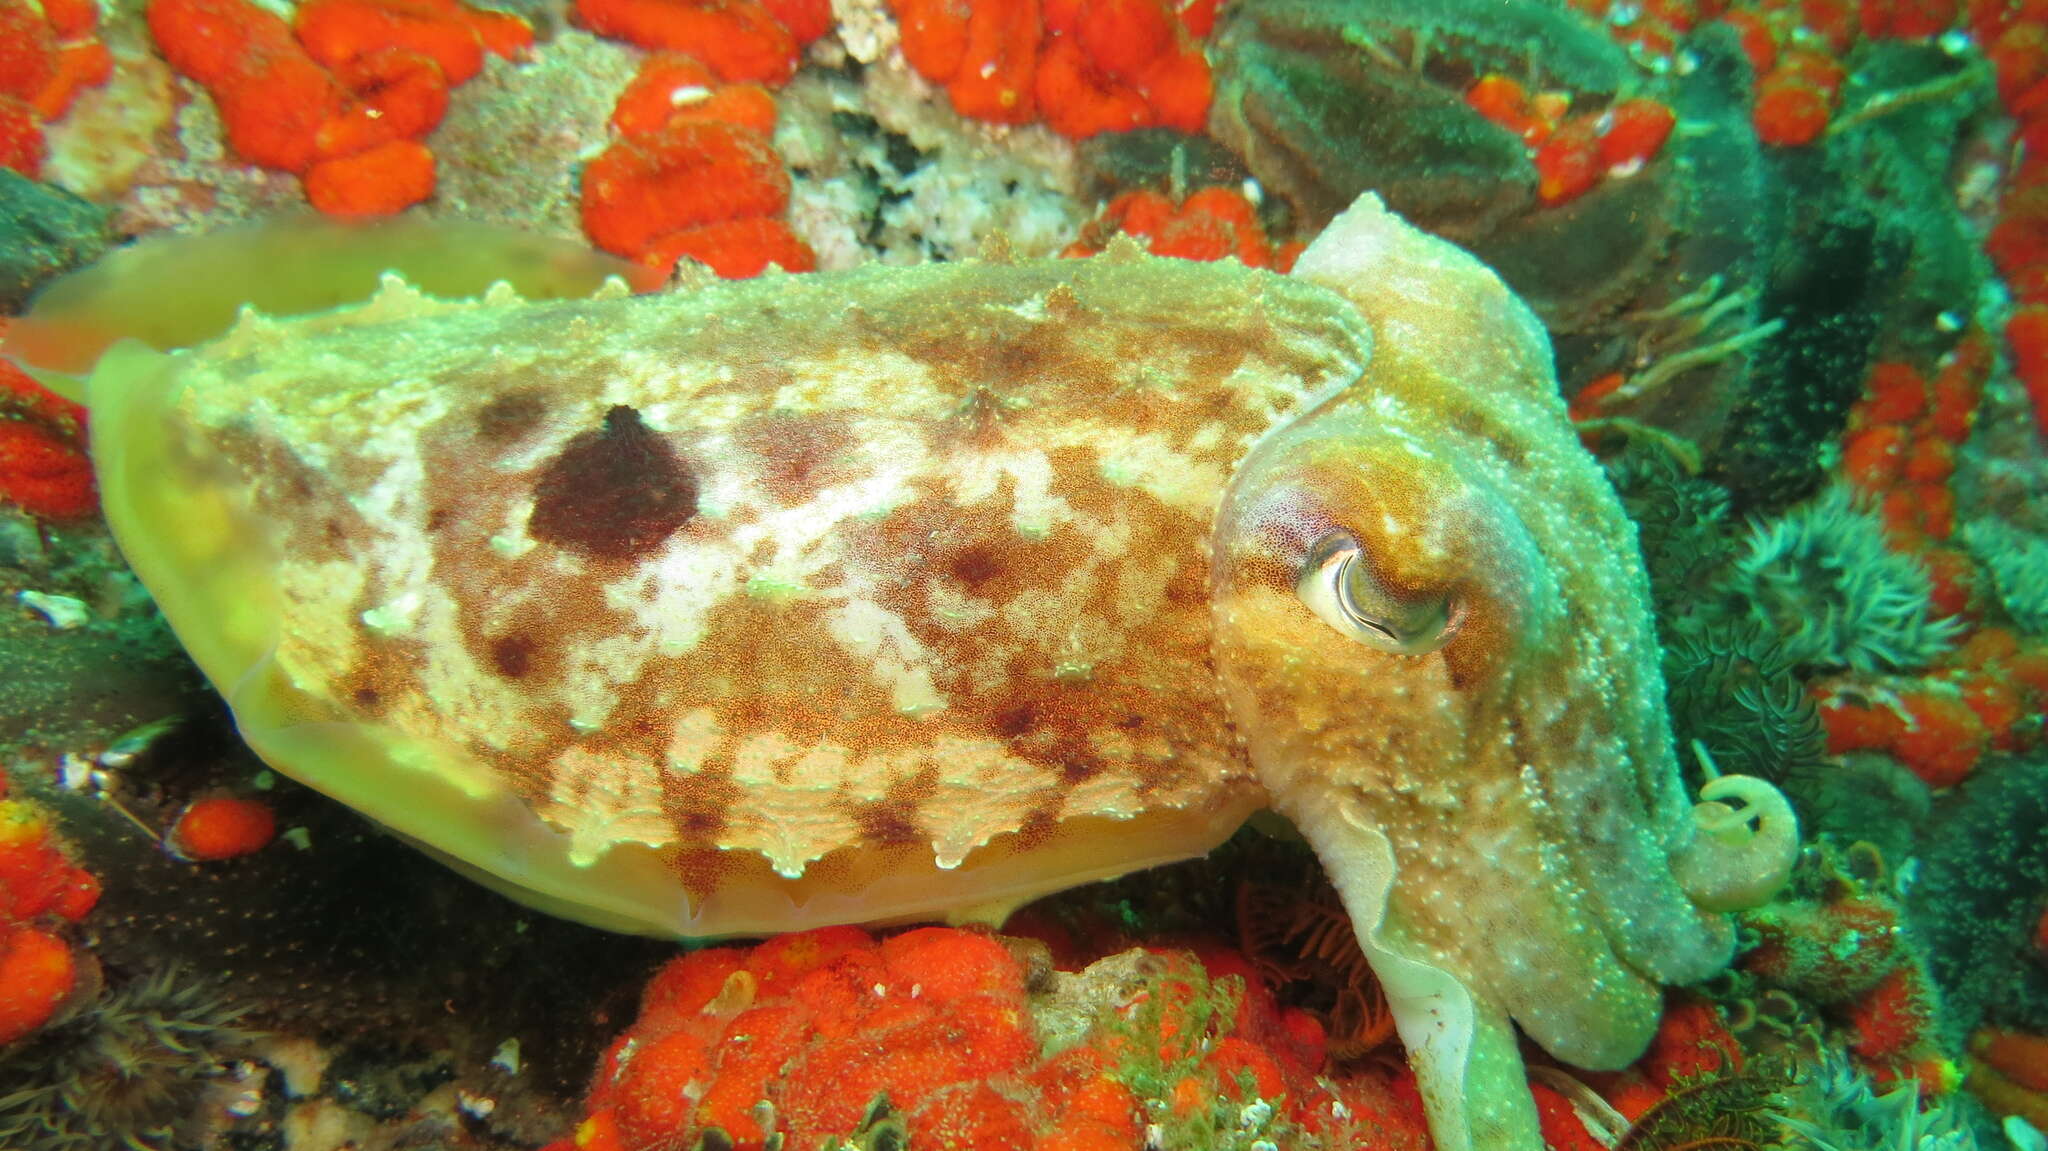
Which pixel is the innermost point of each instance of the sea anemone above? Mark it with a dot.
(1833, 1107)
(1681, 522)
(127, 1071)
(1983, 866)
(2018, 563)
(1297, 933)
(1821, 578)
(1732, 691)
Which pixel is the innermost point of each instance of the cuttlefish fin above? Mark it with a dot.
(173, 291)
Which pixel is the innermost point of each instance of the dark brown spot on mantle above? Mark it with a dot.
(615, 492)
(512, 655)
(510, 416)
(1012, 722)
(893, 820)
(799, 454)
(975, 565)
(889, 823)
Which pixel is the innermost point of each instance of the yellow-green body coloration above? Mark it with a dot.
(908, 593)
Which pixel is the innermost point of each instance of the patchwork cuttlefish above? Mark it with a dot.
(910, 593)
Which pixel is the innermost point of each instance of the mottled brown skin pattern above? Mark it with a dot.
(908, 593)
(792, 576)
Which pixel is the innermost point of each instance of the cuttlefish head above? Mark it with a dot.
(1378, 546)
(1433, 633)
(1369, 614)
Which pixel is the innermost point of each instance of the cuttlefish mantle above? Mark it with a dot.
(878, 595)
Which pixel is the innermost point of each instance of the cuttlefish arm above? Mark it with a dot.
(1433, 632)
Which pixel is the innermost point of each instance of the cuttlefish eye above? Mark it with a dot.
(1339, 586)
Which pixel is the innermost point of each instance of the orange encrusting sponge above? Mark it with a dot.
(739, 40)
(1209, 225)
(1573, 152)
(796, 1038)
(1793, 49)
(734, 249)
(690, 173)
(221, 827)
(1941, 726)
(43, 473)
(37, 973)
(40, 891)
(1902, 437)
(1083, 66)
(2026, 335)
(43, 466)
(48, 55)
(694, 173)
(674, 86)
(342, 96)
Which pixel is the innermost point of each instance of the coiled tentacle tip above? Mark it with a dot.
(1742, 853)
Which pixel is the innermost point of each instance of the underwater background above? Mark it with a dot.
(1791, 255)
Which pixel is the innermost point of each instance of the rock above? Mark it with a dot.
(44, 232)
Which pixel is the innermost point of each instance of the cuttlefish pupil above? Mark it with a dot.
(1338, 584)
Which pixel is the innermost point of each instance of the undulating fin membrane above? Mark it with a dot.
(173, 291)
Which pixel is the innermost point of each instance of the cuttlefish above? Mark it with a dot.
(897, 594)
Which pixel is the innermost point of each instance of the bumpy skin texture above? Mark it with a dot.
(909, 592)
(1498, 813)
(856, 597)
